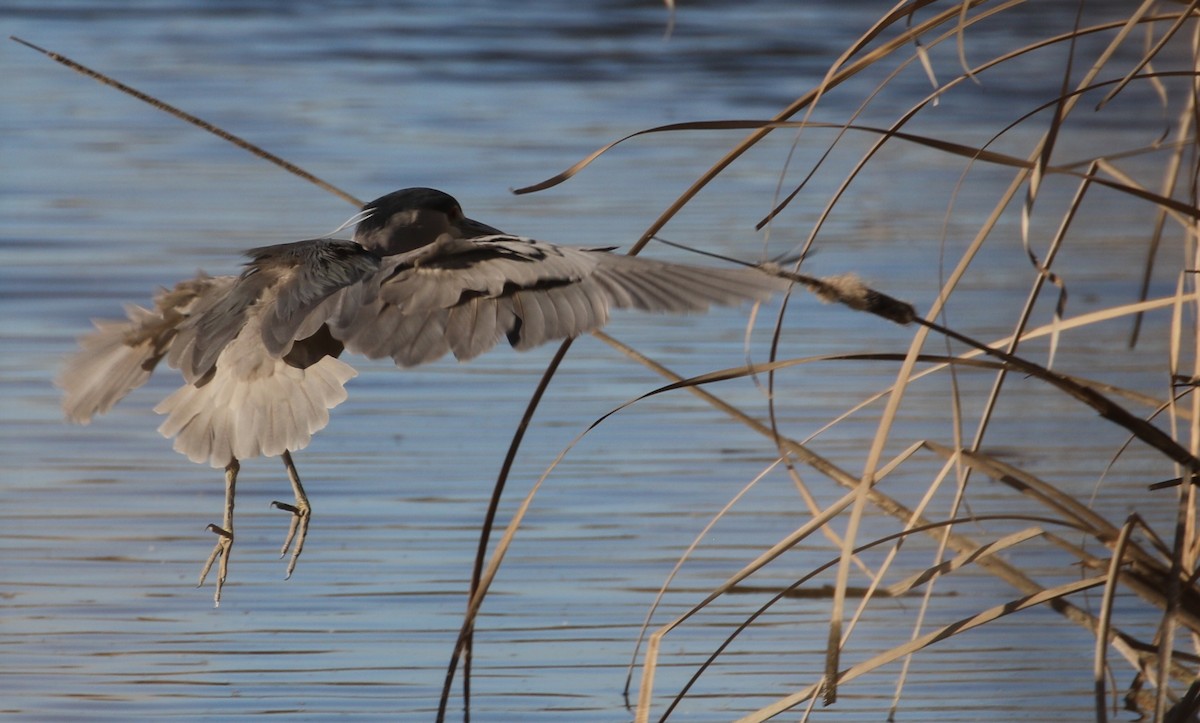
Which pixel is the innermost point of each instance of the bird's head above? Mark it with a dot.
(410, 218)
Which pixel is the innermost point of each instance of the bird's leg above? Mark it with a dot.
(224, 534)
(301, 512)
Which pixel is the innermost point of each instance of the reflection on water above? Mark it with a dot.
(102, 528)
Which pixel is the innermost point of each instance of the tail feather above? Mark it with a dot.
(230, 417)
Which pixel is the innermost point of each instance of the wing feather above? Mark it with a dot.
(427, 339)
(463, 295)
(532, 329)
(119, 356)
(473, 328)
(290, 286)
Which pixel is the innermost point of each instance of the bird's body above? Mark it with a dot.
(259, 352)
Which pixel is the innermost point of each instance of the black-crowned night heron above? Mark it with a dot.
(259, 352)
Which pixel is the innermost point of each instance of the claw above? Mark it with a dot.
(224, 535)
(297, 531)
(220, 550)
(301, 514)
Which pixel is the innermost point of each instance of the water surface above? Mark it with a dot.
(102, 528)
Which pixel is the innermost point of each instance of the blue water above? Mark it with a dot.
(102, 199)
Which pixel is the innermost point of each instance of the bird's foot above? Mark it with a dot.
(220, 551)
(297, 531)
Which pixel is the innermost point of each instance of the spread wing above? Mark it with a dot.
(285, 285)
(119, 356)
(463, 295)
(455, 295)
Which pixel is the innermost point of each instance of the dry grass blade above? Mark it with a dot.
(1083, 320)
(1100, 667)
(1148, 576)
(1170, 179)
(838, 74)
(683, 558)
(720, 125)
(1076, 322)
(1108, 409)
(979, 554)
(1184, 16)
(935, 636)
(1051, 497)
(901, 587)
(952, 465)
(950, 147)
(932, 98)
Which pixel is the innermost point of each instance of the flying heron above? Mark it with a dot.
(259, 352)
